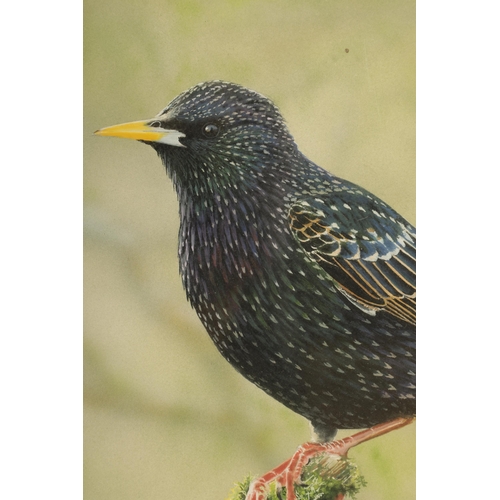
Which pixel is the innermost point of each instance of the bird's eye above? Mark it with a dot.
(155, 124)
(210, 130)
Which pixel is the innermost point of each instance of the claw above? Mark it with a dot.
(288, 473)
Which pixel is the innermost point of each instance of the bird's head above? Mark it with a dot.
(215, 132)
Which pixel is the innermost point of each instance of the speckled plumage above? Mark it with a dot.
(305, 282)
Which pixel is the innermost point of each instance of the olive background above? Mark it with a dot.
(165, 416)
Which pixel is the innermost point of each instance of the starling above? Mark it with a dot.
(304, 281)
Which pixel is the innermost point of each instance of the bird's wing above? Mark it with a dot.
(368, 249)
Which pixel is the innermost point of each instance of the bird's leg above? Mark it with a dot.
(258, 487)
(288, 473)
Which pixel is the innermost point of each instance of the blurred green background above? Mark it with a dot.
(165, 415)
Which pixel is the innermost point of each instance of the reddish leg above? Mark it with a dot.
(289, 472)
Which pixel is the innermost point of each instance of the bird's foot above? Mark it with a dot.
(288, 474)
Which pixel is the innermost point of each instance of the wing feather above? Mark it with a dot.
(372, 259)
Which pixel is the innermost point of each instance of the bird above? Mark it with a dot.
(304, 281)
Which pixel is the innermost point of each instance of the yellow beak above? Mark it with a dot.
(143, 131)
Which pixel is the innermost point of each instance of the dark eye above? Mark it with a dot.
(210, 130)
(155, 124)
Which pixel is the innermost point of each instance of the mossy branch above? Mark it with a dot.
(325, 477)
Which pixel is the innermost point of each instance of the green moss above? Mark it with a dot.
(323, 478)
